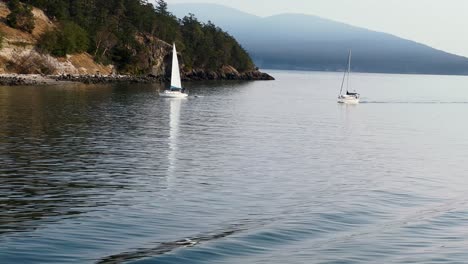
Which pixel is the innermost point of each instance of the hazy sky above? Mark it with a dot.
(442, 24)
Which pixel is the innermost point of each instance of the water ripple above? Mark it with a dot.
(246, 172)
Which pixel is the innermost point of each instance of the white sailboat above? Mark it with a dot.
(176, 90)
(348, 97)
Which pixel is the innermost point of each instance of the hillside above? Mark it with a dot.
(115, 36)
(295, 41)
(18, 53)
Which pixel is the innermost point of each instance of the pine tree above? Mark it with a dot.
(161, 7)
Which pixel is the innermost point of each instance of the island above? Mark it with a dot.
(105, 41)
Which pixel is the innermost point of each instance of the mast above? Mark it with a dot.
(175, 74)
(349, 70)
(344, 74)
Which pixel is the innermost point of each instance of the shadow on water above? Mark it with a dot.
(215, 88)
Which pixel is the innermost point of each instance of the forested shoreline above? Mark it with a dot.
(123, 33)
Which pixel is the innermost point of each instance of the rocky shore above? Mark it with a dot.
(24, 79)
(194, 75)
(226, 73)
(99, 79)
(14, 81)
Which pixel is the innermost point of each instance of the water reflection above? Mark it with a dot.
(173, 132)
(55, 150)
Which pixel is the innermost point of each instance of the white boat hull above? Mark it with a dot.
(173, 94)
(348, 99)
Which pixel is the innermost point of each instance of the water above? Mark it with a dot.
(253, 172)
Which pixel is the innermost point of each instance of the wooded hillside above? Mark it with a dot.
(112, 31)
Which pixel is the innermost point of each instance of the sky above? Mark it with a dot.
(442, 24)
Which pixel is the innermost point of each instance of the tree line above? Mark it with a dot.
(108, 30)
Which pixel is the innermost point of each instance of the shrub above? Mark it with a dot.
(70, 39)
(21, 16)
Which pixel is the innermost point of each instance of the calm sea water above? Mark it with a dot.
(249, 172)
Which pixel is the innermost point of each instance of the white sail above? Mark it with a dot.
(175, 75)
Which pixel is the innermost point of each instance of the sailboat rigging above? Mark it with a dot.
(348, 97)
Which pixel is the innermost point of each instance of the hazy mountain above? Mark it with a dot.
(295, 41)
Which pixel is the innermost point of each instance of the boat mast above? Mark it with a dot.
(344, 74)
(349, 70)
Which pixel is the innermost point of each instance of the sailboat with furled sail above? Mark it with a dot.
(176, 90)
(348, 97)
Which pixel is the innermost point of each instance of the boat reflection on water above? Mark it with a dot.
(174, 118)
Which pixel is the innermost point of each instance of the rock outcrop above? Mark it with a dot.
(198, 75)
(225, 73)
(95, 79)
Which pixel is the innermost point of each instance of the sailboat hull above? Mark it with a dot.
(347, 99)
(173, 94)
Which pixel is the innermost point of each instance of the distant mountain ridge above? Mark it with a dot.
(306, 42)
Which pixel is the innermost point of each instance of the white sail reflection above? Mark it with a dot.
(173, 134)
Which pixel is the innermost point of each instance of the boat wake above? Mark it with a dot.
(414, 102)
(328, 232)
(167, 247)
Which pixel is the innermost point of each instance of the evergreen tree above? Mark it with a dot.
(109, 30)
(69, 39)
(162, 8)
